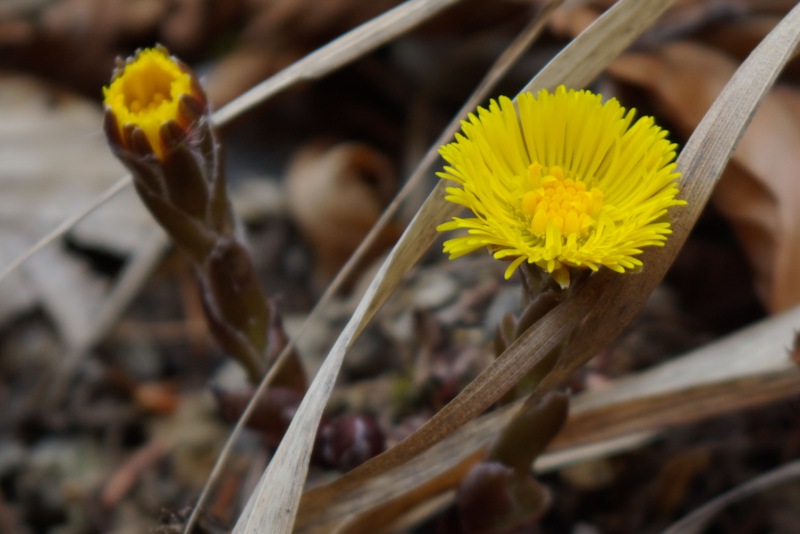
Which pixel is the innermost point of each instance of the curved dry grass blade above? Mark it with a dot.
(501, 67)
(628, 13)
(747, 369)
(276, 497)
(346, 48)
(330, 57)
(695, 521)
(67, 224)
(591, 51)
(607, 301)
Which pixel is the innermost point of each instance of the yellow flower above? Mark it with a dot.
(146, 93)
(567, 181)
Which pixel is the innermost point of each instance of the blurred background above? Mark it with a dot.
(108, 420)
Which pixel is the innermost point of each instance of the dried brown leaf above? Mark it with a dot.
(335, 194)
(738, 37)
(759, 193)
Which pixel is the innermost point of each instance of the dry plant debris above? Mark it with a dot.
(143, 418)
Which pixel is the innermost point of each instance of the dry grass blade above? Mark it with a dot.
(495, 74)
(503, 64)
(330, 57)
(749, 368)
(501, 67)
(607, 301)
(346, 48)
(616, 300)
(591, 51)
(349, 47)
(275, 500)
(744, 370)
(67, 225)
(336, 54)
(695, 521)
(408, 256)
(588, 62)
(352, 45)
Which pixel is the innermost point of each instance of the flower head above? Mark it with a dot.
(149, 91)
(158, 124)
(562, 181)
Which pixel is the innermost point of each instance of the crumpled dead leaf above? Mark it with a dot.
(335, 195)
(760, 191)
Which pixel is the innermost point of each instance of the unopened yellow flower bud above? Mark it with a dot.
(152, 96)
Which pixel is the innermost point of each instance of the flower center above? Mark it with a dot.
(561, 202)
(145, 92)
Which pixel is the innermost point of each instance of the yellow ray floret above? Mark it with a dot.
(146, 93)
(562, 180)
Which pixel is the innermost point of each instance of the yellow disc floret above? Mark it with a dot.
(146, 93)
(560, 202)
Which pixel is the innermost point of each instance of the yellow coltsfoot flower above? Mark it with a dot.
(562, 181)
